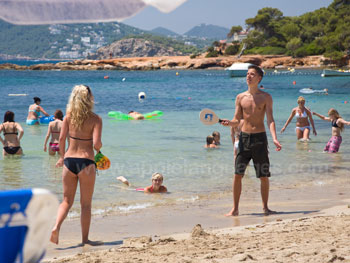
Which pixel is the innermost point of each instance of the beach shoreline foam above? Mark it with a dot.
(297, 233)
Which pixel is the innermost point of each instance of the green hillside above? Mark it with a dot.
(325, 31)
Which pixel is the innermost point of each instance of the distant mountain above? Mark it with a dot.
(60, 41)
(164, 32)
(208, 32)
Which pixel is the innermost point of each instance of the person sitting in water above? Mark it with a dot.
(216, 136)
(210, 142)
(303, 115)
(11, 140)
(156, 187)
(338, 123)
(54, 130)
(34, 112)
(136, 115)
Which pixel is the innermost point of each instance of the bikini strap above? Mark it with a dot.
(75, 138)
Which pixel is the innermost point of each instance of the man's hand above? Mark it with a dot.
(225, 122)
(315, 133)
(278, 145)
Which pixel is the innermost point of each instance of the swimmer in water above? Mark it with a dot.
(136, 115)
(54, 131)
(210, 142)
(216, 136)
(156, 187)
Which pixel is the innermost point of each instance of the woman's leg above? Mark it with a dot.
(306, 134)
(70, 182)
(87, 183)
(299, 133)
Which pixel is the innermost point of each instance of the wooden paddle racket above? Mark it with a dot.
(208, 117)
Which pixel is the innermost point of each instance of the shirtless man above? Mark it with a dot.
(251, 106)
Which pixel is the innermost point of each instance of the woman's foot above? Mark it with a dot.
(54, 236)
(269, 212)
(92, 243)
(233, 212)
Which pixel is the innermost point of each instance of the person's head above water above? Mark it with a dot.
(210, 139)
(58, 115)
(37, 100)
(157, 176)
(9, 116)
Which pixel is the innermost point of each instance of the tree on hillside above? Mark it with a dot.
(234, 29)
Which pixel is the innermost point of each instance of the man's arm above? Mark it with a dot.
(271, 122)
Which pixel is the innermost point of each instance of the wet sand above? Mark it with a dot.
(268, 238)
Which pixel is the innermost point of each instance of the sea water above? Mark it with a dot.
(173, 144)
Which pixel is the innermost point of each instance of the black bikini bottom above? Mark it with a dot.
(12, 150)
(76, 165)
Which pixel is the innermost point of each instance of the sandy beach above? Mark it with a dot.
(309, 226)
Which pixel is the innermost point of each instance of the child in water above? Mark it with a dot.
(156, 187)
(210, 142)
(216, 136)
(338, 123)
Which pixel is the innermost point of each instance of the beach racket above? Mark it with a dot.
(102, 162)
(208, 117)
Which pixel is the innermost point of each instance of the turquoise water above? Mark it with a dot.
(173, 144)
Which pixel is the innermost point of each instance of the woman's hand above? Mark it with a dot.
(45, 148)
(59, 162)
(283, 129)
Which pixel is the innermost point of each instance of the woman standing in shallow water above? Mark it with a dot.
(12, 139)
(303, 125)
(84, 128)
(334, 142)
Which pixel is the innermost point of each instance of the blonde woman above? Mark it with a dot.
(303, 115)
(338, 123)
(83, 128)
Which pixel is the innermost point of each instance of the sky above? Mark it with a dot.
(226, 13)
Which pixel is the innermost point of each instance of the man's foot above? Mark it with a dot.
(54, 236)
(233, 212)
(269, 212)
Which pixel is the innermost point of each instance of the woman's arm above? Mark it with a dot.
(43, 111)
(47, 137)
(309, 114)
(97, 133)
(1, 139)
(321, 116)
(62, 141)
(20, 129)
(340, 120)
(291, 116)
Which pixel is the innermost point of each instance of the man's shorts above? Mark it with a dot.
(253, 146)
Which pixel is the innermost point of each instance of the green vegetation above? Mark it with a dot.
(325, 31)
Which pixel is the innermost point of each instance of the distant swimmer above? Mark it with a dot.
(216, 136)
(210, 142)
(13, 134)
(54, 131)
(156, 187)
(136, 115)
(338, 123)
(303, 115)
(34, 112)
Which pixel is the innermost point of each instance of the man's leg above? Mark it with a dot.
(264, 188)
(237, 189)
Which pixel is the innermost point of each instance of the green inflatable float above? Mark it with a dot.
(124, 117)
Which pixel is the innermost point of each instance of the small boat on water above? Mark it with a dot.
(335, 73)
(314, 91)
(238, 69)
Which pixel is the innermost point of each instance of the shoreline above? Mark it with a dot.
(177, 63)
(177, 220)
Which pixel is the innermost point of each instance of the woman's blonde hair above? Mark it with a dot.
(334, 112)
(80, 105)
(157, 176)
(301, 99)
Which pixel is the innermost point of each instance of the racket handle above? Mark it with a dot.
(220, 120)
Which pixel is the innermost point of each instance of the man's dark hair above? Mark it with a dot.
(258, 70)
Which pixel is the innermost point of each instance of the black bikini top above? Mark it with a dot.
(14, 130)
(334, 124)
(76, 138)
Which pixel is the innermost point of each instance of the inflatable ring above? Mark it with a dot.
(124, 117)
(46, 119)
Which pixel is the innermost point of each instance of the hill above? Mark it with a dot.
(164, 32)
(208, 32)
